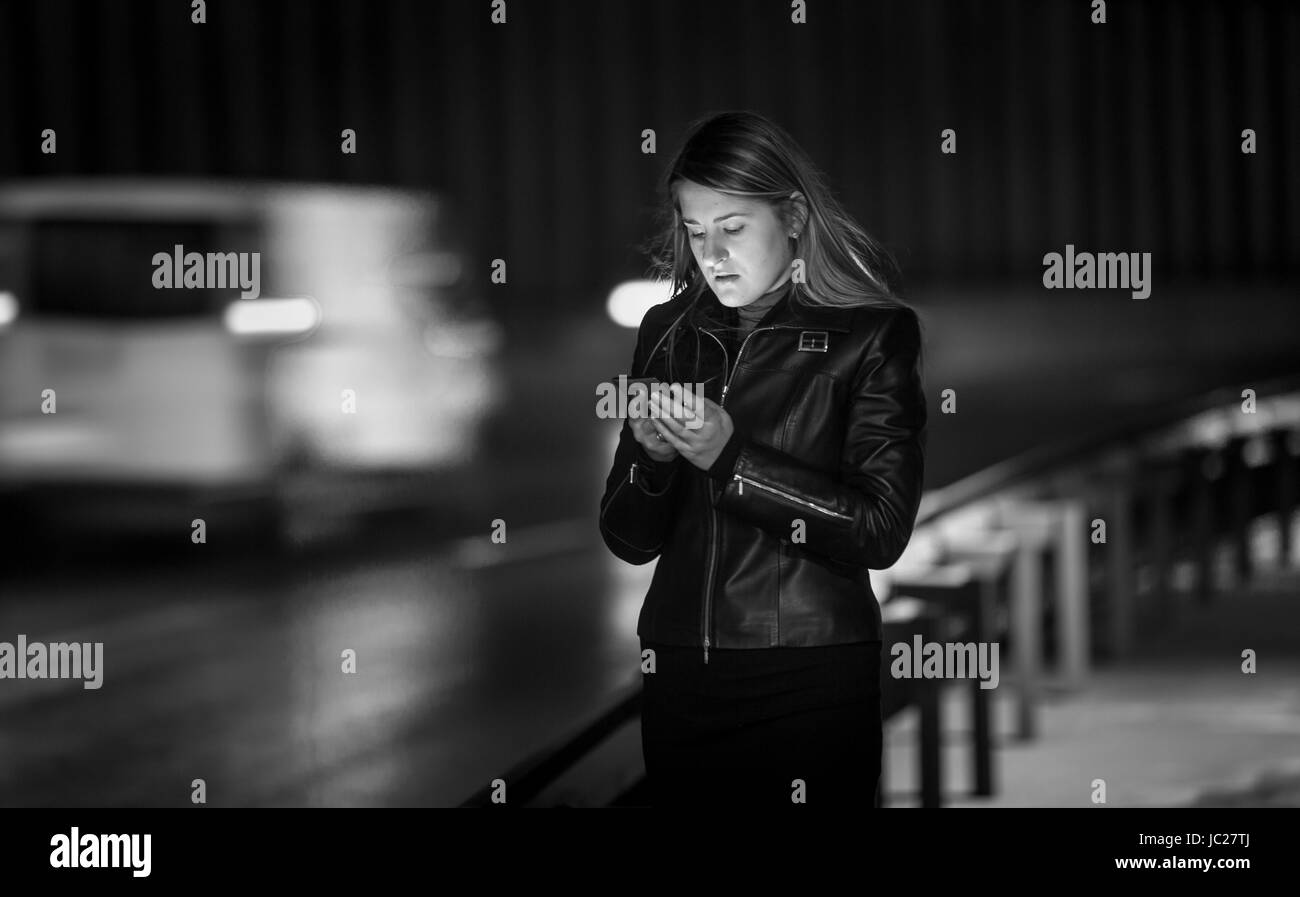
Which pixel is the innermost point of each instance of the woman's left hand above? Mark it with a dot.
(702, 445)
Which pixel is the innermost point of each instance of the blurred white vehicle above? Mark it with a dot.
(365, 351)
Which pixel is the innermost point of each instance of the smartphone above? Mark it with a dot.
(628, 400)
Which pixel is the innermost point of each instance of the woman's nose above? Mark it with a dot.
(713, 253)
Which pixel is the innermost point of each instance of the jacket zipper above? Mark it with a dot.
(713, 514)
(742, 480)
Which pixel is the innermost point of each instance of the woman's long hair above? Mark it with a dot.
(746, 154)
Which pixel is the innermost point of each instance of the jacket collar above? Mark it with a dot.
(786, 314)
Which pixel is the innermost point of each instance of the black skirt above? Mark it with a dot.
(763, 727)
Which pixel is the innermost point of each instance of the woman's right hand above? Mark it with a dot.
(645, 433)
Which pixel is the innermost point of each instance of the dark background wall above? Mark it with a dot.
(1122, 136)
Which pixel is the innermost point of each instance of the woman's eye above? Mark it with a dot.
(736, 231)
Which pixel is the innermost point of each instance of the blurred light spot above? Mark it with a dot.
(272, 316)
(1211, 428)
(8, 308)
(36, 443)
(630, 300)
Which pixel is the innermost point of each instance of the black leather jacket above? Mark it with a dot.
(831, 434)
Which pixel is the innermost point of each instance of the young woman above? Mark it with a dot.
(802, 471)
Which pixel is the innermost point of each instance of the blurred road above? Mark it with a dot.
(231, 672)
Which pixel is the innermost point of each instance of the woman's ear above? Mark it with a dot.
(796, 213)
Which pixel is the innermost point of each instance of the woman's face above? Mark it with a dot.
(740, 244)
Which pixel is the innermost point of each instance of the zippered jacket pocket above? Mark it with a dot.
(789, 497)
(634, 521)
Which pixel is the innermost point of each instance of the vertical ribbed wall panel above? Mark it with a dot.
(1123, 136)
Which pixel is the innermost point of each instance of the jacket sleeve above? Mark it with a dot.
(864, 517)
(637, 508)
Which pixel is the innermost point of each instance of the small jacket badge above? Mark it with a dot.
(813, 341)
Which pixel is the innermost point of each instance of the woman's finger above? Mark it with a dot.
(670, 404)
(685, 397)
(648, 436)
(678, 429)
(669, 436)
(693, 416)
(674, 410)
(643, 432)
(688, 395)
(659, 406)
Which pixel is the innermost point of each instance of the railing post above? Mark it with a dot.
(1061, 524)
(903, 618)
(1196, 461)
(1159, 539)
(967, 592)
(1119, 520)
(928, 693)
(981, 710)
(1013, 516)
(1285, 479)
(1241, 502)
(1026, 609)
(1073, 636)
(1026, 618)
